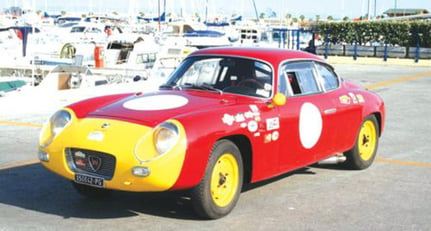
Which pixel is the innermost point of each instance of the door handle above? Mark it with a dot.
(330, 111)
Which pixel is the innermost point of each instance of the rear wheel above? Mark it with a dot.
(219, 190)
(91, 192)
(362, 155)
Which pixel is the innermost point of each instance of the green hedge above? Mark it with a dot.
(401, 33)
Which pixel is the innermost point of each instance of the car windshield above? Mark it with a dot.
(224, 75)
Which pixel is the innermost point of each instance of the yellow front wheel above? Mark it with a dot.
(219, 190)
(362, 155)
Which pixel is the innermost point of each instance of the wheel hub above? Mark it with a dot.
(222, 179)
(365, 140)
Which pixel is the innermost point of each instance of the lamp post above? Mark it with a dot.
(375, 8)
(368, 10)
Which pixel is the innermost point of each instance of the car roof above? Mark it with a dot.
(270, 55)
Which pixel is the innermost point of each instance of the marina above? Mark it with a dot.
(51, 59)
(123, 49)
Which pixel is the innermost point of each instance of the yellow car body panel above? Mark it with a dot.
(118, 138)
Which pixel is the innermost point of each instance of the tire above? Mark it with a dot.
(218, 192)
(362, 155)
(91, 192)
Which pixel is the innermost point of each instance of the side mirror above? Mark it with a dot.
(278, 100)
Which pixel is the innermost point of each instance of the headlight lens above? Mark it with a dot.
(56, 124)
(59, 120)
(165, 137)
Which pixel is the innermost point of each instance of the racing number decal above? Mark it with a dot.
(310, 125)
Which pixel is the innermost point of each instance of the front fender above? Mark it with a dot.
(202, 133)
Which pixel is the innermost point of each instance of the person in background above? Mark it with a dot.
(311, 48)
(108, 30)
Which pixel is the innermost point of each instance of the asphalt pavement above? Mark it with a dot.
(393, 194)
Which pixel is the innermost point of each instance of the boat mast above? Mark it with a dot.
(255, 11)
(159, 19)
(206, 11)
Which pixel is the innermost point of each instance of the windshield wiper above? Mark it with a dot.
(203, 86)
(169, 87)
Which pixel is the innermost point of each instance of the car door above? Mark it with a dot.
(347, 107)
(308, 119)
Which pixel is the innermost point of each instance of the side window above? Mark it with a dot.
(301, 78)
(248, 77)
(282, 84)
(329, 78)
(293, 80)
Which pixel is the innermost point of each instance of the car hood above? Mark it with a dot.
(153, 108)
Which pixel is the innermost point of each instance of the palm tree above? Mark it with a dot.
(302, 17)
(288, 16)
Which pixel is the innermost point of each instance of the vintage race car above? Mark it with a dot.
(225, 117)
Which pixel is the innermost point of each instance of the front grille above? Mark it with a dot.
(91, 162)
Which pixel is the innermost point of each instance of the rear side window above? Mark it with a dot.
(329, 78)
(300, 78)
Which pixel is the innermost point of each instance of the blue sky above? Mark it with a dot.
(309, 8)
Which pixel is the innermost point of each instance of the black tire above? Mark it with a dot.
(91, 192)
(362, 155)
(225, 158)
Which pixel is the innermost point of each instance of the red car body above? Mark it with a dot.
(317, 121)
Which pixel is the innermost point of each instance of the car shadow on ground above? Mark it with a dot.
(302, 171)
(33, 187)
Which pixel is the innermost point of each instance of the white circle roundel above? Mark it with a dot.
(156, 102)
(310, 125)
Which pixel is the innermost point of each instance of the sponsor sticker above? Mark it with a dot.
(96, 136)
(344, 99)
(252, 126)
(272, 124)
(268, 138)
(275, 135)
(248, 115)
(228, 119)
(239, 118)
(360, 98)
(355, 101)
(255, 110)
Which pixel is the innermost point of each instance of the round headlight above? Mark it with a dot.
(165, 137)
(56, 124)
(59, 120)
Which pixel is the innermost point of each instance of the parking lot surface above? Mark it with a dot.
(393, 194)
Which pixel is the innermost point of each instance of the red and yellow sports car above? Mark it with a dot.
(225, 117)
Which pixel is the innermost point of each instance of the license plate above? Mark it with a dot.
(89, 180)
